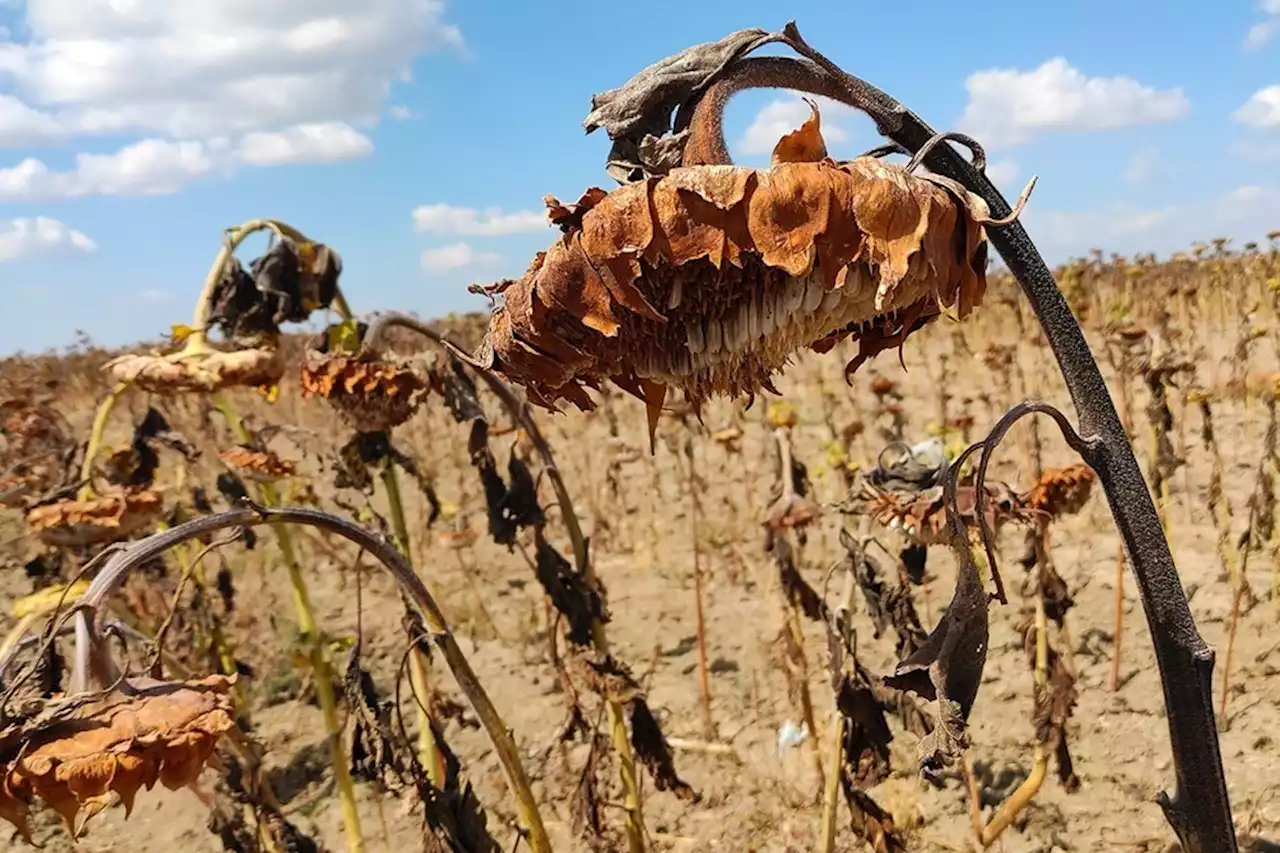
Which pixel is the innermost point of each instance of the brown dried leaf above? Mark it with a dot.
(144, 732)
(254, 368)
(948, 667)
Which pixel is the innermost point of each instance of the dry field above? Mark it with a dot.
(1201, 331)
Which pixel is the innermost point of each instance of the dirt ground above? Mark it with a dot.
(755, 796)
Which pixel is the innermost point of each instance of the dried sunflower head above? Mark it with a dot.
(710, 278)
(75, 757)
(260, 465)
(205, 373)
(110, 517)
(372, 395)
(1061, 491)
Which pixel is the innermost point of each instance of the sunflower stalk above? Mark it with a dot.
(419, 665)
(320, 663)
(519, 411)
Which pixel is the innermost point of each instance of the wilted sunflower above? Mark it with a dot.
(710, 277)
(78, 757)
(110, 517)
(1061, 491)
(372, 394)
(203, 372)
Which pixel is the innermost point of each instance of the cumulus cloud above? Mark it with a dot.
(457, 256)
(29, 237)
(1009, 107)
(1262, 110)
(473, 222)
(160, 166)
(1003, 173)
(1266, 29)
(780, 117)
(197, 70)
(326, 142)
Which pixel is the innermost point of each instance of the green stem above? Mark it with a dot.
(321, 666)
(420, 665)
(94, 447)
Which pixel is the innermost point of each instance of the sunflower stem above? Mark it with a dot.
(321, 666)
(519, 411)
(420, 665)
(94, 447)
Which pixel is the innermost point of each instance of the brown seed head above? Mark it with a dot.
(710, 278)
(144, 732)
(255, 368)
(115, 515)
(372, 395)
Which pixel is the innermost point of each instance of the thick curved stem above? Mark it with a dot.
(1200, 810)
(519, 410)
(117, 569)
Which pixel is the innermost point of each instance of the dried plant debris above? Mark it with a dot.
(922, 516)
(512, 503)
(948, 667)
(799, 593)
(110, 517)
(1061, 491)
(710, 278)
(885, 606)
(372, 395)
(612, 680)
(135, 466)
(1053, 706)
(271, 831)
(37, 450)
(287, 283)
(255, 464)
(203, 373)
(578, 598)
(75, 755)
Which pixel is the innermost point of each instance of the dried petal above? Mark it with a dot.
(260, 465)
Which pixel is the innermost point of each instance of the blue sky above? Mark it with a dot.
(419, 137)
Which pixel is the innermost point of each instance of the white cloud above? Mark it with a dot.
(471, 222)
(400, 112)
(780, 117)
(327, 142)
(196, 70)
(455, 257)
(155, 295)
(1009, 107)
(1262, 110)
(1002, 173)
(160, 166)
(29, 237)
(1144, 166)
(1263, 31)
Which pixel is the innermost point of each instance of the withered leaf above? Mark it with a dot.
(804, 145)
(948, 667)
(580, 602)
